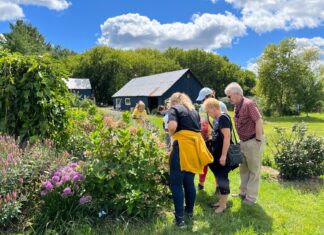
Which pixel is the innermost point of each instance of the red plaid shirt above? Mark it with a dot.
(246, 114)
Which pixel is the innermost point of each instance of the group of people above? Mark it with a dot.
(201, 140)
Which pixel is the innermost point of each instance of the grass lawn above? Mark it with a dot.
(283, 207)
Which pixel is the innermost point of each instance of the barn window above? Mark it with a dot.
(188, 75)
(127, 101)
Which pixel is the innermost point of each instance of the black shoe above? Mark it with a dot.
(179, 222)
(188, 216)
(200, 187)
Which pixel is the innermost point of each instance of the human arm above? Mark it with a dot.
(226, 143)
(258, 130)
(172, 127)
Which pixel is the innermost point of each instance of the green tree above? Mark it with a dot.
(26, 39)
(109, 69)
(285, 77)
(212, 70)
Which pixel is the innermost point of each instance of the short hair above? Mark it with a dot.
(211, 103)
(234, 87)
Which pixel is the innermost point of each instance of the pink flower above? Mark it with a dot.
(55, 178)
(14, 194)
(48, 185)
(85, 199)
(67, 192)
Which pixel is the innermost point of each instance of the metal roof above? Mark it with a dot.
(78, 83)
(153, 85)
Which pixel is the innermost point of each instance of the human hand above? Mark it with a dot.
(222, 160)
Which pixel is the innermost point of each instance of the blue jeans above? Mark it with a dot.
(180, 180)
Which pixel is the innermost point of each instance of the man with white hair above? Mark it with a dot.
(249, 127)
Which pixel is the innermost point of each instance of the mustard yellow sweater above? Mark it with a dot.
(193, 152)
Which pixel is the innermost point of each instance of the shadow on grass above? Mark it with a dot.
(308, 186)
(237, 218)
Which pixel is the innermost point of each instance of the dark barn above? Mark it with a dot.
(153, 90)
(80, 86)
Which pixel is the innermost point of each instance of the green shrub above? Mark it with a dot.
(81, 124)
(33, 97)
(299, 155)
(127, 170)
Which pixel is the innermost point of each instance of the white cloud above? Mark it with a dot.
(206, 31)
(11, 9)
(267, 15)
(252, 65)
(2, 38)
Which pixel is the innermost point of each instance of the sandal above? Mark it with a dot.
(219, 210)
(214, 206)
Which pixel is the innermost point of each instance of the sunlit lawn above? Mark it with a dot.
(283, 207)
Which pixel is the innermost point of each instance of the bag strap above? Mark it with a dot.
(227, 116)
(211, 125)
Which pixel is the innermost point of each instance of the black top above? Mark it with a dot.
(186, 119)
(218, 138)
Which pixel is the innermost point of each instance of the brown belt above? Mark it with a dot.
(252, 137)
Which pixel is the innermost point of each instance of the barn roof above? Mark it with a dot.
(78, 83)
(153, 85)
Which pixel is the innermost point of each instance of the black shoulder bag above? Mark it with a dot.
(234, 154)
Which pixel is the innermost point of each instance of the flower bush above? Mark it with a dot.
(299, 155)
(10, 180)
(63, 197)
(127, 168)
(20, 173)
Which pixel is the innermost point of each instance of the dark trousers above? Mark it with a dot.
(221, 173)
(179, 181)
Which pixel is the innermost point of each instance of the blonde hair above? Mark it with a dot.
(140, 104)
(211, 103)
(183, 99)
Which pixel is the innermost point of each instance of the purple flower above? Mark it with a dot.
(56, 178)
(85, 199)
(67, 192)
(48, 185)
(72, 164)
(65, 178)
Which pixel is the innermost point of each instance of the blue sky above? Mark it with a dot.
(239, 29)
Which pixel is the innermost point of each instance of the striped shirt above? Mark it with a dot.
(246, 114)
